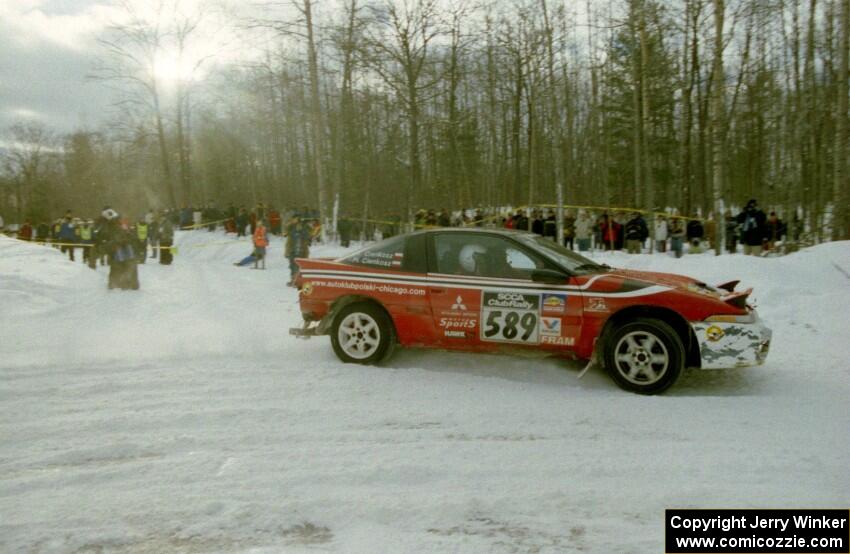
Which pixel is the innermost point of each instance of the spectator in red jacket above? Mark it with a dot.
(274, 221)
(610, 232)
(25, 232)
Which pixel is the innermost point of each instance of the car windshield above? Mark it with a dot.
(566, 258)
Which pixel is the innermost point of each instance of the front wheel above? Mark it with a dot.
(644, 356)
(362, 333)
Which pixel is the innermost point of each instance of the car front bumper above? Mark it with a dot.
(725, 345)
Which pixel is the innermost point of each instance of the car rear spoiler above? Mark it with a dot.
(738, 299)
(729, 285)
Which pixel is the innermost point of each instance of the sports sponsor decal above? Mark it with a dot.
(508, 316)
(596, 305)
(554, 303)
(458, 323)
(454, 334)
(560, 341)
(550, 326)
(388, 288)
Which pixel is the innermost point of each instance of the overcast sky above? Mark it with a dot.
(47, 49)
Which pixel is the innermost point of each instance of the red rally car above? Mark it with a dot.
(492, 290)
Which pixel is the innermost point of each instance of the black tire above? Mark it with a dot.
(371, 329)
(633, 354)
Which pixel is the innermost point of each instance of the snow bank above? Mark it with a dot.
(183, 418)
(57, 312)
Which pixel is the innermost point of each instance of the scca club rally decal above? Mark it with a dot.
(510, 317)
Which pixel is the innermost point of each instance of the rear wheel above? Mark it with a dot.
(644, 356)
(362, 333)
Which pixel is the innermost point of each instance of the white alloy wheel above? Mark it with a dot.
(359, 335)
(641, 358)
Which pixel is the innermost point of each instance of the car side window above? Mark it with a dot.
(482, 255)
(518, 260)
(387, 254)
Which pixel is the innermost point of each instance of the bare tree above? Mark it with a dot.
(132, 49)
(27, 159)
(401, 42)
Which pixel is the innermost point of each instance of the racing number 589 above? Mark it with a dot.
(507, 328)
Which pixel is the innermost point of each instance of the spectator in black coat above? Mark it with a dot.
(521, 222)
(694, 231)
(751, 223)
(550, 226)
(537, 223)
(636, 233)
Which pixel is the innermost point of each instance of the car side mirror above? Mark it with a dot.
(549, 276)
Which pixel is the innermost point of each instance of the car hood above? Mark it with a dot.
(672, 280)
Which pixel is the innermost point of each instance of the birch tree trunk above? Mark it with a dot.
(718, 151)
(840, 176)
(316, 119)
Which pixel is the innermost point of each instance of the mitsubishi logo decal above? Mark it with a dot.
(459, 305)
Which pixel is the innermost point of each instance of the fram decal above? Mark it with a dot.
(596, 305)
(560, 341)
(554, 303)
(550, 326)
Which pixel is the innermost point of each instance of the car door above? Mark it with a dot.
(483, 298)
(393, 272)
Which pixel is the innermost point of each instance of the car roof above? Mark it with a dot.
(481, 230)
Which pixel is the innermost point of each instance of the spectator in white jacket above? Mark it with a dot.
(661, 233)
(583, 231)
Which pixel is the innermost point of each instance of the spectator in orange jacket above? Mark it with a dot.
(260, 243)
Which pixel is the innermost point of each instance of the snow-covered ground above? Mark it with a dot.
(183, 418)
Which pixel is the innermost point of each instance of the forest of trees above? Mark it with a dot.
(393, 105)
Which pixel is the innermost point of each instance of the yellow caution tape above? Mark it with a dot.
(617, 209)
(50, 243)
(203, 224)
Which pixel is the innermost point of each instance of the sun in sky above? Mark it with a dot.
(171, 69)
